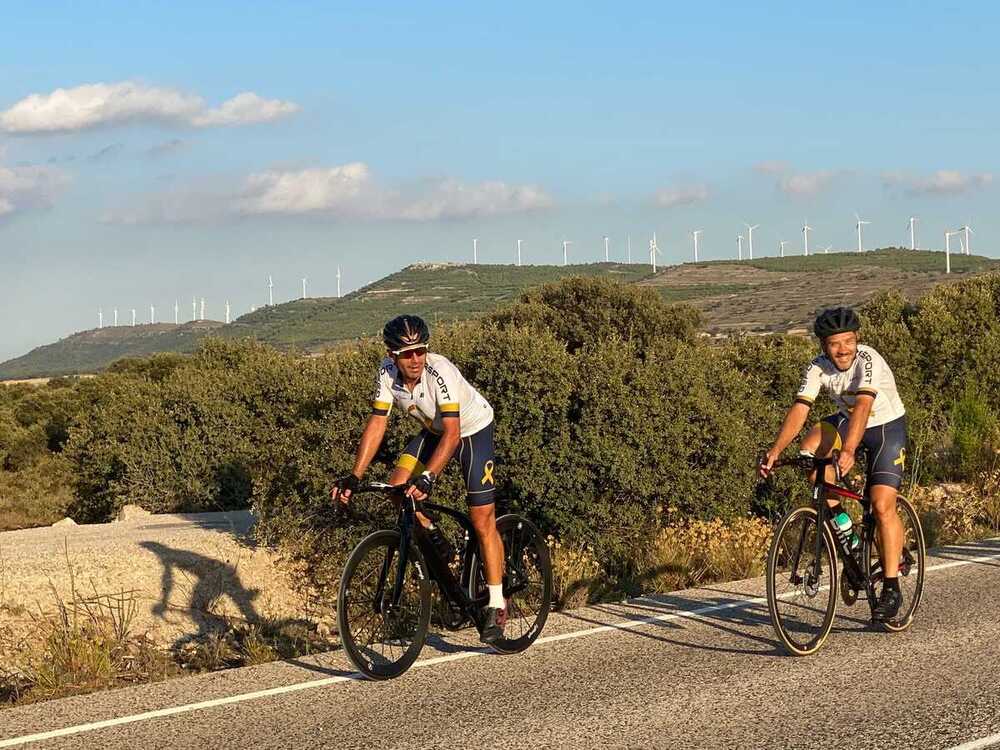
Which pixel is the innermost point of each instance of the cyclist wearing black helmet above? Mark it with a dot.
(870, 417)
(454, 417)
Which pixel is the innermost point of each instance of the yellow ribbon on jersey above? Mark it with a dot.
(901, 461)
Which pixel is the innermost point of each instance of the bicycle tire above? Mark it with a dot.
(801, 640)
(913, 565)
(527, 608)
(358, 614)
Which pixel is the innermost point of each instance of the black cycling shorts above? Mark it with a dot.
(475, 456)
(884, 447)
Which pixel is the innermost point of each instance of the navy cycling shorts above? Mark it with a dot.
(475, 456)
(884, 447)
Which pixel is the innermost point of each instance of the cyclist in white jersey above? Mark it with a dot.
(870, 417)
(454, 416)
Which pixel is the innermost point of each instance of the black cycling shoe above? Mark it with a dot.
(493, 621)
(888, 605)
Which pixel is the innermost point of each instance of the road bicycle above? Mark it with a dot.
(802, 575)
(385, 600)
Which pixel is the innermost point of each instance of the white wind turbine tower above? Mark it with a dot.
(566, 244)
(967, 230)
(826, 250)
(116, 317)
(338, 282)
(177, 313)
(133, 317)
(475, 251)
(202, 316)
(194, 309)
(806, 229)
(100, 318)
(227, 312)
(519, 253)
(861, 223)
(750, 237)
(913, 235)
(694, 236)
(653, 252)
(628, 248)
(781, 248)
(270, 291)
(304, 279)
(947, 250)
(152, 315)
(607, 259)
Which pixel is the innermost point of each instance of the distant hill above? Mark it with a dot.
(766, 294)
(93, 350)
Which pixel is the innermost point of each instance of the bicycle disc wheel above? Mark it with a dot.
(911, 565)
(801, 590)
(527, 582)
(383, 640)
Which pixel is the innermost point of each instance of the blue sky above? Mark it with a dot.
(374, 136)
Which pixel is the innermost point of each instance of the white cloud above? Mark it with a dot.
(104, 104)
(682, 195)
(942, 182)
(347, 191)
(23, 188)
(807, 183)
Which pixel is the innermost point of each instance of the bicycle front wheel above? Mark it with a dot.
(527, 582)
(912, 562)
(801, 587)
(383, 637)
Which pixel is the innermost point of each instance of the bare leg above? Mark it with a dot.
(490, 545)
(890, 528)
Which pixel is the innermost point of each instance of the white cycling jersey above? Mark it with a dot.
(442, 393)
(868, 375)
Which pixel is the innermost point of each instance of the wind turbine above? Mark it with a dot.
(270, 293)
(860, 224)
(116, 317)
(947, 250)
(304, 279)
(628, 248)
(227, 312)
(338, 282)
(750, 237)
(739, 246)
(653, 252)
(566, 244)
(194, 309)
(152, 315)
(202, 316)
(475, 251)
(177, 313)
(133, 317)
(519, 253)
(100, 318)
(806, 229)
(967, 230)
(694, 236)
(826, 250)
(781, 248)
(606, 258)
(913, 236)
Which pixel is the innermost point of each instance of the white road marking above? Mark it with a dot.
(993, 739)
(623, 625)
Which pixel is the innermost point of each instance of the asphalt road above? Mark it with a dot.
(698, 668)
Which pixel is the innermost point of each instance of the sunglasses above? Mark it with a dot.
(409, 353)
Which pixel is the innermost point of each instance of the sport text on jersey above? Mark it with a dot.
(439, 380)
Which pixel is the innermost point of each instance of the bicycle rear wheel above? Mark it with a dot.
(527, 582)
(381, 639)
(911, 565)
(801, 590)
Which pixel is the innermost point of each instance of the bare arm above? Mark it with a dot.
(855, 431)
(371, 439)
(795, 420)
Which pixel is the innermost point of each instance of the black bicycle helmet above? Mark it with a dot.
(405, 332)
(836, 320)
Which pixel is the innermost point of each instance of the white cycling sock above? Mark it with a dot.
(496, 596)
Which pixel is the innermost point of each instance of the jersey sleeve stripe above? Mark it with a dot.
(450, 409)
(804, 400)
(381, 408)
(867, 392)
